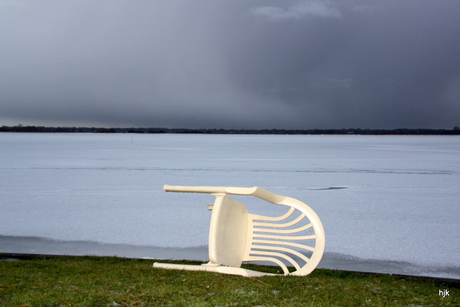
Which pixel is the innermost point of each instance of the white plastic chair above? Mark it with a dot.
(296, 238)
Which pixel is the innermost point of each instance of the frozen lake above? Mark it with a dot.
(387, 203)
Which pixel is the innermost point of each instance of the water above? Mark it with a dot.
(388, 203)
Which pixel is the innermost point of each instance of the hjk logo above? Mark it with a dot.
(444, 293)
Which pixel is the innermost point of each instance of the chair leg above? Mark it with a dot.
(211, 268)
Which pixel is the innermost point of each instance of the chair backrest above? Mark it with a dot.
(288, 240)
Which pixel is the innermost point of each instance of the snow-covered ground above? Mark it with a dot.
(389, 201)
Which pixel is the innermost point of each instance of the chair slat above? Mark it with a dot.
(294, 230)
(276, 219)
(278, 255)
(270, 259)
(278, 225)
(287, 243)
(283, 249)
(293, 238)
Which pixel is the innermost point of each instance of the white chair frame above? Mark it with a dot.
(235, 236)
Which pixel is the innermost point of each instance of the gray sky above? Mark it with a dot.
(230, 64)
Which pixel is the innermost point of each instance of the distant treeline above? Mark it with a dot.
(20, 128)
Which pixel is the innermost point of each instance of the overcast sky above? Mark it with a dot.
(230, 64)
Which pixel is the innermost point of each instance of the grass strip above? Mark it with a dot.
(111, 281)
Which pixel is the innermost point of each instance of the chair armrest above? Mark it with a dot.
(254, 191)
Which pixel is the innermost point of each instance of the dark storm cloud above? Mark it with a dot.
(238, 64)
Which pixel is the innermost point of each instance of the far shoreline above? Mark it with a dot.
(161, 130)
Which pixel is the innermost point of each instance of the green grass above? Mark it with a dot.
(110, 281)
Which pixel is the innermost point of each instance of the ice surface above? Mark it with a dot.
(380, 198)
